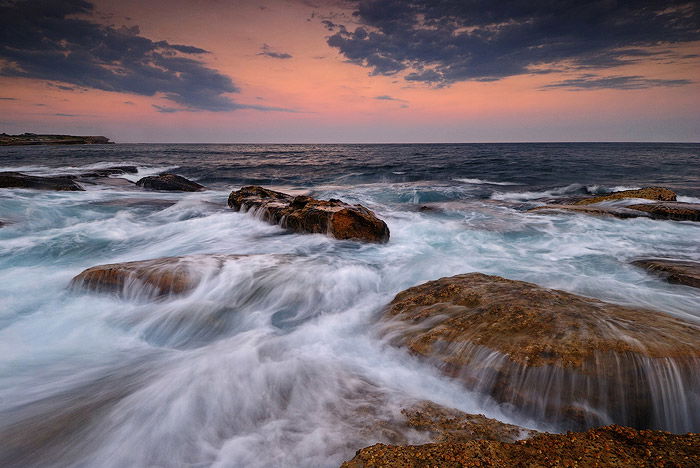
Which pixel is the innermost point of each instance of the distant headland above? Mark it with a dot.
(35, 139)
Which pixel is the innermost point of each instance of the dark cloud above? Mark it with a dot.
(52, 40)
(442, 42)
(7, 99)
(590, 81)
(58, 114)
(385, 97)
(267, 51)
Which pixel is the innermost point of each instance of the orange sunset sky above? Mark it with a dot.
(292, 83)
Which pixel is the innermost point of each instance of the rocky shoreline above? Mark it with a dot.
(36, 139)
(565, 359)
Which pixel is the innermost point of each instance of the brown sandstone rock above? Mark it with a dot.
(551, 354)
(602, 447)
(684, 272)
(651, 193)
(169, 182)
(306, 214)
(676, 211)
(451, 425)
(18, 180)
(158, 277)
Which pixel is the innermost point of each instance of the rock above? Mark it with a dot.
(604, 446)
(553, 355)
(597, 210)
(34, 139)
(677, 211)
(18, 180)
(153, 278)
(169, 182)
(684, 272)
(306, 214)
(651, 193)
(451, 425)
(110, 171)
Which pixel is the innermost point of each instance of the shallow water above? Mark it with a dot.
(275, 360)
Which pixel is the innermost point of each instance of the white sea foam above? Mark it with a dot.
(272, 360)
(484, 182)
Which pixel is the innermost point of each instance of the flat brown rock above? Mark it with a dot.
(451, 425)
(651, 193)
(684, 272)
(553, 354)
(676, 211)
(156, 278)
(602, 447)
(306, 214)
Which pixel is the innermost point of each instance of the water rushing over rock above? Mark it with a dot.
(152, 278)
(573, 360)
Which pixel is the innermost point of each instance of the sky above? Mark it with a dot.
(346, 71)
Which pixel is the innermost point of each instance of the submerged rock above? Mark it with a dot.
(306, 214)
(553, 355)
(684, 272)
(604, 446)
(110, 171)
(676, 211)
(169, 182)
(651, 193)
(19, 180)
(154, 278)
(597, 210)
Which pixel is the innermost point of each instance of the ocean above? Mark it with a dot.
(276, 361)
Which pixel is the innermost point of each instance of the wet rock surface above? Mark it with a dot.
(684, 272)
(605, 446)
(170, 183)
(595, 210)
(111, 171)
(676, 211)
(568, 359)
(651, 193)
(451, 425)
(306, 214)
(157, 278)
(19, 180)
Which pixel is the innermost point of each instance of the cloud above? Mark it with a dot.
(59, 114)
(8, 99)
(46, 40)
(447, 41)
(590, 81)
(385, 97)
(269, 52)
(172, 110)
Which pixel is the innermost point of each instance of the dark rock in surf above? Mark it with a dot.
(684, 272)
(676, 211)
(553, 355)
(154, 278)
(306, 214)
(19, 180)
(595, 210)
(603, 446)
(170, 183)
(651, 193)
(111, 171)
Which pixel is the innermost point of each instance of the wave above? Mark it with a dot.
(484, 182)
